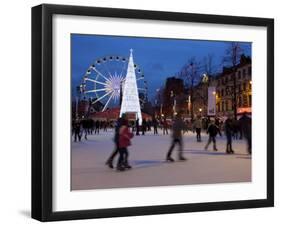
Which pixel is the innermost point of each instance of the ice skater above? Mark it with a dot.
(177, 128)
(143, 127)
(165, 127)
(97, 127)
(77, 132)
(155, 125)
(125, 137)
(137, 127)
(198, 127)
(84, 128)
(109, 161)
(246, 127)
(228, 128)
(212, 130)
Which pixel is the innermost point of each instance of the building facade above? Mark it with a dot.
(226, 86)
(230, 84)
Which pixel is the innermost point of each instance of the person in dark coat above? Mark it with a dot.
(84, 123)
(218, 124)
(228, 128)
(235, 129)
(90, 126)
(105, 125)
(137, 127)
(143, 127)
(76, 128)
(155, 125)
(109, 161)
(177, 128)
(246, 127)
(165, 126)
(198, 126)
(148, 125)
(212, 130)
(97, 127)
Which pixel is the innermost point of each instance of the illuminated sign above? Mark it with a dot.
(211, 101)
(245, 109)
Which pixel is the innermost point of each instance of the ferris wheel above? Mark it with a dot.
(103, 81)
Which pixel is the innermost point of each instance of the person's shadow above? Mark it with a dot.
(216, 153)
(146, 163)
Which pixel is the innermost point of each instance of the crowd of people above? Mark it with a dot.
(85, 126)
(230, 126)
(124, 131)
(149, 125)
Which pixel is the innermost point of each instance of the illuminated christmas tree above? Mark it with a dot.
(130, 97)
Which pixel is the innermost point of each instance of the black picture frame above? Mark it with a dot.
(42, 111)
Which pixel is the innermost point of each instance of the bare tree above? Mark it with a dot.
(208, 63)
(233, 54)
(232, 59)
(191, 75)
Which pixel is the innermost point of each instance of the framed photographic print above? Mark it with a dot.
(146, 112)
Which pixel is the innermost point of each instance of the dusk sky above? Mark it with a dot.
(158, 58)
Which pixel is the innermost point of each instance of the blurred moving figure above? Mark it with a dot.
(246, 128)
(177, 128)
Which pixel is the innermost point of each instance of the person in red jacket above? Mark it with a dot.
(125, 137)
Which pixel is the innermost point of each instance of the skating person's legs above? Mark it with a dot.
(208, 143)
(109, 162)
(214, 144)
(85, 131)
(228, 138)
(76, 135)
(179, 141)
(197, 134)
(169, 158)
(122, 153)
(126, 159)
(249, 142)
(229, 144)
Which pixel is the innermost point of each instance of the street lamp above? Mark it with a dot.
(158, 101)
(205, 78)
(172, 96)
(79, 91)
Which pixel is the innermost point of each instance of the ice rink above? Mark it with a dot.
(147, 157)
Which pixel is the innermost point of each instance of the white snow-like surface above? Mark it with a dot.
(147, 156)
